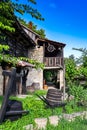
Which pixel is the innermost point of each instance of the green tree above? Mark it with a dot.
(76, 68)
(70, 69)
(8, 10)
(41, 31)
(82, 60)
(34, 27)
(72, 57)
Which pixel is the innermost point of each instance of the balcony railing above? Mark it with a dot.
(53, 61)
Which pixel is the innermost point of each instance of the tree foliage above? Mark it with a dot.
(8, 11)
(6, 16)
(34, 28)
(76, 68)
(14, 60)
(82, 60)
(70, 69)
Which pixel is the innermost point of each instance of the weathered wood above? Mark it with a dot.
(53, 62)
(11, 75)
(53, 98)
(11, 113)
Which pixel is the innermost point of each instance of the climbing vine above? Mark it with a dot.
(14, 60)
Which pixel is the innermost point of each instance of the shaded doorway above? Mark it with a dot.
(51, 78)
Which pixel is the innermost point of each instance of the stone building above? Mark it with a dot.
(51, 54)
(25, 42)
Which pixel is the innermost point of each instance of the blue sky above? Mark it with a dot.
(65, 21)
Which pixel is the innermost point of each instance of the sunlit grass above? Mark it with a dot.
(37, 109)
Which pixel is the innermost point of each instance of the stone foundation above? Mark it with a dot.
(35, 76)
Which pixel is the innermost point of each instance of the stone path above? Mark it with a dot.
(54, 120)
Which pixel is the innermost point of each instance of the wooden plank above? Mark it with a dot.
(12, 76)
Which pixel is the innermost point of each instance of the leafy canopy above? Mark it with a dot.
(76, 68)
(9, 8)
(41, 31)
(8, 11)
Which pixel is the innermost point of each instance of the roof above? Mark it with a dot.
(25, 35)
(30, 30)
(20, 35)
(27, 30)
(53, 42)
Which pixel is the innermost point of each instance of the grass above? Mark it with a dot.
(37, 109)
(78, 124)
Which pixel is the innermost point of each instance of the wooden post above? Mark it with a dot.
(5, 82)
(64, 83)
(3, 85)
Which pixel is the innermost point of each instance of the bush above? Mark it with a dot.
(79, 93)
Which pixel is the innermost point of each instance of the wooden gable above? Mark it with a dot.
(52, 48)
(19, 41)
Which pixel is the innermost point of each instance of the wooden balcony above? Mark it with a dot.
(53, 61)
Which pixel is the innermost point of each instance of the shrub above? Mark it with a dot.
(78, 92)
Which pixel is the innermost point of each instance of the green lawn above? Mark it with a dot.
(37, 109)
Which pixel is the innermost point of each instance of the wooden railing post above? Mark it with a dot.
(53, 61)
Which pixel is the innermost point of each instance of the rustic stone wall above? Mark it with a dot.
(1, 82)
(36, 75)
(36, 53)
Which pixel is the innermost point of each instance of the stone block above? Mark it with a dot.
(28, 127)
(41, 123)
(53, 120)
